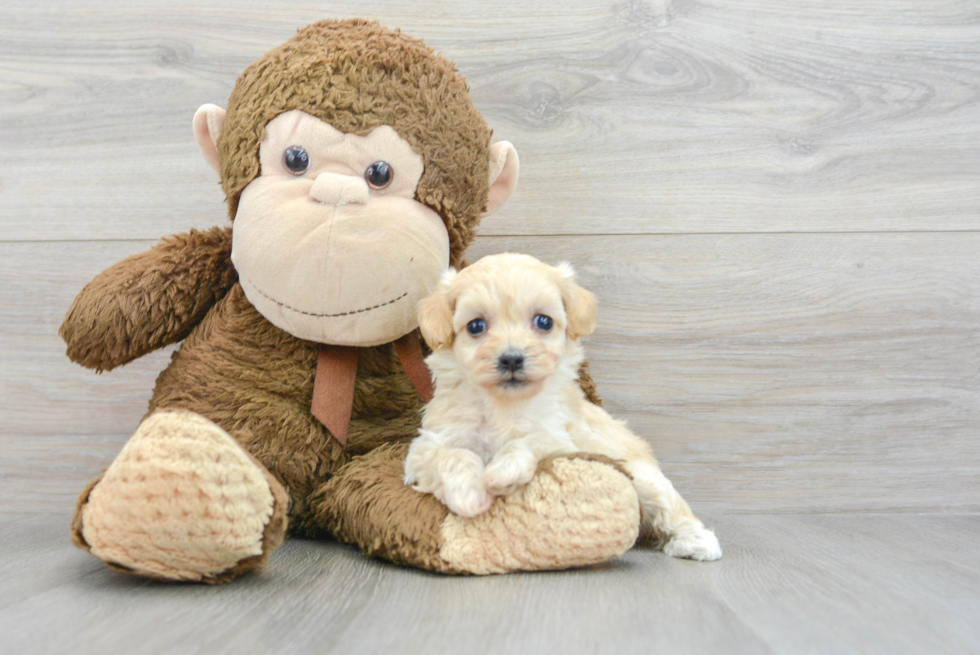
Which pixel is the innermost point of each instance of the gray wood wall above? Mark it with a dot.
(775, 200)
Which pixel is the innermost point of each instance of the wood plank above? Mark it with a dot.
(771, 372)
(781, 372)
(661, 117)
(787, 584)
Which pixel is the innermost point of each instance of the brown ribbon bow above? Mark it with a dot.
(336, 370)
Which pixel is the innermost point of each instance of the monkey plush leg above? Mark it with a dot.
(182, 501)
(574, 512)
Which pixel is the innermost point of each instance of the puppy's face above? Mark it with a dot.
(509, 320)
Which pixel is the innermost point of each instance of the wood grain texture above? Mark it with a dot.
(776, 202)
(771, 372)
(671, 116)
(788, 584)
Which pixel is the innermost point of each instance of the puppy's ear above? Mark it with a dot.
(580, 304)
(436, 315)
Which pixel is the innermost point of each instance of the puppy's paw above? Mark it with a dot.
(506, 474)
(467, 498)
(698, 543)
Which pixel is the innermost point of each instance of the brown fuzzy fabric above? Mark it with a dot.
(367, 504)
(76, 520)
(357, 75)
(251, 378)
(149, 300)
(547, 465)
(588, 384)
(256, 382)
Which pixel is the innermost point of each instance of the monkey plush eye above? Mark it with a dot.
(379, 174)
(543, 323)
(296, 159)
(476, 326)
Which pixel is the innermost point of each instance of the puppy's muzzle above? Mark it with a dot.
(510, 362)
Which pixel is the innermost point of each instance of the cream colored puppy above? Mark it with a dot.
(506, 354)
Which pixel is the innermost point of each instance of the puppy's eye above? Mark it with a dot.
(543, 323)
(476, 326)
(296, 159)
(379, 174)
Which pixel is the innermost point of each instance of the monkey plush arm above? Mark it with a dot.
(149, 300)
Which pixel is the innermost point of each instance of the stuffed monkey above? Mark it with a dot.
(355, 168)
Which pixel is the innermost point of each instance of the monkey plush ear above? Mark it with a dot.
(504, 166)
(208, 122)
(436, 315)
(580, 304)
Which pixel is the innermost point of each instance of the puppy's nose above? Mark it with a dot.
(510, 361)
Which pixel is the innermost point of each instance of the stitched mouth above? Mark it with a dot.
(327, 314)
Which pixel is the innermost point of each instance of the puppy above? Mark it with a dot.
(506, 354)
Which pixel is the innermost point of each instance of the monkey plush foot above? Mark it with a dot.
(574, 512)
(182, 501)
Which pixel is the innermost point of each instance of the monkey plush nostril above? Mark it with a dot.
(336, 189)
(510, 362)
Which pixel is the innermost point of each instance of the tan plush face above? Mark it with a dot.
(327, 246)
(509, 320)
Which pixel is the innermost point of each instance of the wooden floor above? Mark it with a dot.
(778, 205)
(888, 583)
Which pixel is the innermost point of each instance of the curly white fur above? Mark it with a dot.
(488, 426)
